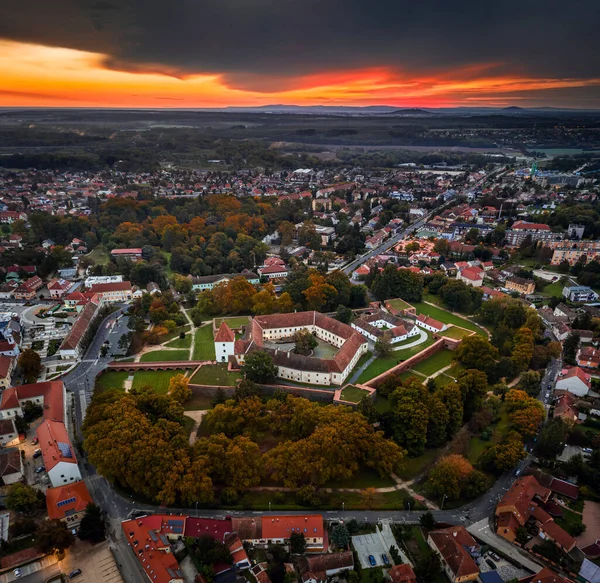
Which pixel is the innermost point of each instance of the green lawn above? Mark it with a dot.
(363, 359)
(407, 353)
(442, 380)
(165, 355)
(181, 342)
(216, 374)
(365, 478)
(455, 369)
(377, 367)
(198, 403)
(435, 362)
(204, 346)
(352, 394)
(111, 379)
(413, 466)
(569, 519)
(157, 379)
(398, 304)
(554, 289)
(175, 333)
(447, 317)
(410, 374)
(476, 448)
(232, 322)
(457, 333)
(99, 255)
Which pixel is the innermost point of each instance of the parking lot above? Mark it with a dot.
(376, 545)
(506, 570)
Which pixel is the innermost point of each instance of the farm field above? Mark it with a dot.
(165, 355)
(157, 379)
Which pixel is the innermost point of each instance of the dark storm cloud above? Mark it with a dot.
(264, 44)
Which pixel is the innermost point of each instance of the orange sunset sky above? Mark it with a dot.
(35, 75)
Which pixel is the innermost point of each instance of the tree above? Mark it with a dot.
(179, 389)
(340, 536)
(383, 347)
(259, 367)
(570, 348)
(22, 497)
(522, 535)
(343, 314)
(53, 536)
(305, 342)
(473, 385)
(506, 455)
(367, 497)
(522, 352)
(93, 526)
(553, 438)
(531, 382)
(426, 520)
(448, 477)
(297, 543)
(31, 365)
(476, 352)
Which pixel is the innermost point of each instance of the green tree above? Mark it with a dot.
(344, 314)
(31, 365)
(476, 352)
(297, 543)
(93, 525)
(22, 497)
(473, 385)
(570, 348)
(53, 536)
(305, 341)
(531, 382)
(259, 367)
(553, 437)
(340, 536)
(383, 348)
(426, 520)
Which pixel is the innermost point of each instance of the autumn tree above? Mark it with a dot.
(53, 536)
(259, 367)
(449, 476)
(31, 365)
(523, 349)
(506, 455)
(476, 352)
(22, 497)
(319, 293)
(367, 498)
(179, 389)
(285, 304)
(531, 382)
(305, 341)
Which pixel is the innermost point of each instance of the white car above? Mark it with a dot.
(17, 573)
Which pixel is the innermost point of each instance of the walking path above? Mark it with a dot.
(357, 372)
(422, 338)
(197, 417)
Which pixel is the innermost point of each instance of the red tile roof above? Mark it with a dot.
(402, 574)
(72, 498)
(453, 544)
(5, 365)
(217, 529)
(430, 322)
(524, 225)
(55, 444)
(224, 334)
(281, 527)
(101, 288)
(472, 273)
(578, 373)
(564, 488)
(558, 535)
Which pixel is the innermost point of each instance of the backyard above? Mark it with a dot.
(157, 379)
(204, 346)
(217, 375)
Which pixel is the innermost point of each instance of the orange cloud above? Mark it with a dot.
(35, 75)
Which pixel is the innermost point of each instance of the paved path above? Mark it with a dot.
(197, 417)
(422, 338)
(357, 372)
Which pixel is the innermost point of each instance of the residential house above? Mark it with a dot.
(588, 357)
(208, 282)
(11, 465)
(68, 503)
(276, 271)
(9, 217)
(562, 310)
(574, 381)
(57, 453)
(565, 407)
(26, 290)
(430, 324)
(471, 276)
(9, 348)
(7, 290)
(7, 366)
(59, 288)
(113, 292)
(72, 344)
(579, 293)
(522, 229)
(278, 529)
(381, 325)
(402, 574)
(8, 433)
(454, 546)
(318, 568)
(520, 285)
(546, 575)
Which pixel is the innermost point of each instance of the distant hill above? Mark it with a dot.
(413, 112)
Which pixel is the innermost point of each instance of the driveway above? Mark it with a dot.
(591, 519)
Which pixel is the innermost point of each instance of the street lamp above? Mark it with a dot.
(408, 507)
(443, 500)
(343, 506)
(196, 509)
(269, 506)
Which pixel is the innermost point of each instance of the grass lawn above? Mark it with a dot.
(398, 304)
(365, 478)
(363, 359)
(442, 380)
(157, 379)
(233, 322)
(111, 379)
(554, 289)
(407, 353)
(198, 403)
(409, 374)
(377, 367)
(476, 448)
(180, 342)
(99, 255)
(204, 346)
(413, 466)
(457, 333)
(352, 394)
(435, 362)
(216, 374)
(447, 317)
(168, 269)
(175, 333)
(454, 370)
(165, 355)
(569, 519)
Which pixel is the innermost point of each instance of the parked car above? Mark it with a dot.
(39, 470)
(17, 573)
(37, 453)
(372, 560)
(385, 560)
(35, 441)
(587, 449)
(495, 556)
(74, 573)
(491, 564)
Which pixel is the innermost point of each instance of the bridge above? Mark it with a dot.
(163, 365)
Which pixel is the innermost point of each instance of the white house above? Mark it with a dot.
(430, 324)
(57, 452)
(574, 381)
(224, 343)
(472, 276)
